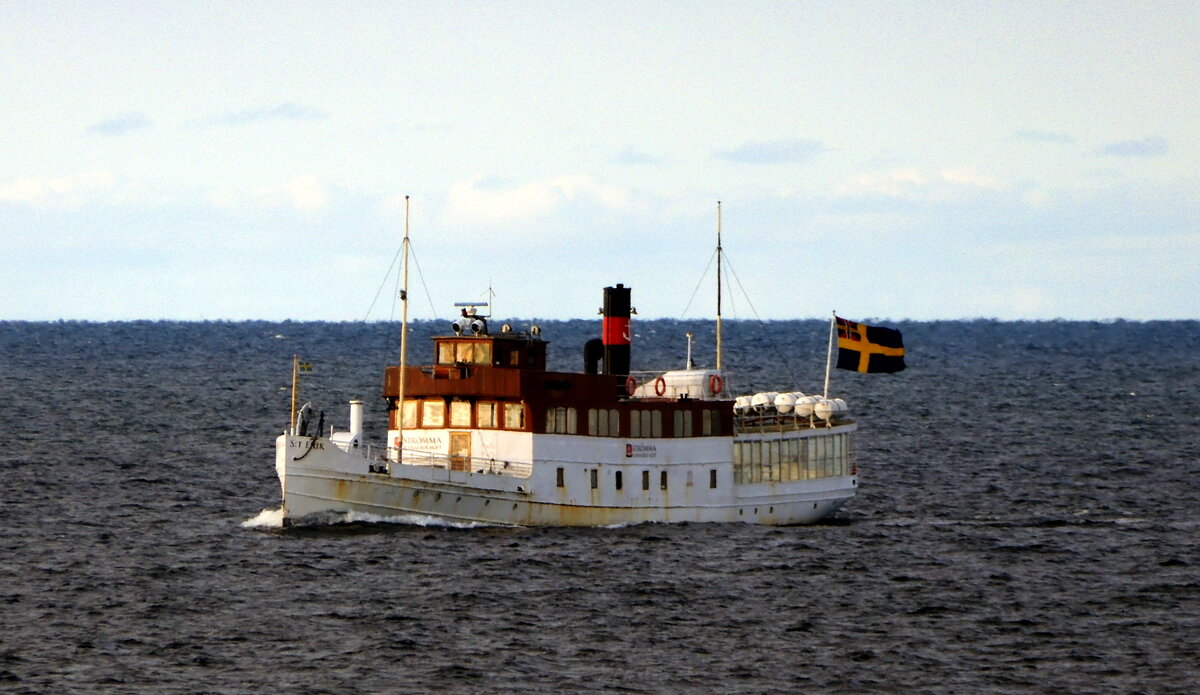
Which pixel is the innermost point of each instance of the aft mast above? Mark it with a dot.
(718, 285)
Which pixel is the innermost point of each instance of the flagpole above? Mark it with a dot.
(295, 382)
(829, 355)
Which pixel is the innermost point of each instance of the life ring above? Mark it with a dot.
(715, 384)
(630, 385)
(660, 386)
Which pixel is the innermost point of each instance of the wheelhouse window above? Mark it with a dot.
(433, 413)
(483, 353)
(464, 352)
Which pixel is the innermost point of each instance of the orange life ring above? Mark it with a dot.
(660, 386)
(715, 384)
(630, 385)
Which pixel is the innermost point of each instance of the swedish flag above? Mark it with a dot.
(874, 349)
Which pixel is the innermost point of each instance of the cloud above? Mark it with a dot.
(60, 192)
(1153, 146)
(773, 151)
(1043, 136)
(305, 193)
(485, 200)
(120, 124)
(282, 112)
(913, 184)
(631, 156)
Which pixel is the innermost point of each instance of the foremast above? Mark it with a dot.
(403, 338)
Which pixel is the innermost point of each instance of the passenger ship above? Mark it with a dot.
(487, 434)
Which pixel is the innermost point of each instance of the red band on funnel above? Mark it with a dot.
(615, 330)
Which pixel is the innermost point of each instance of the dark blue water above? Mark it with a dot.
(1028, 522)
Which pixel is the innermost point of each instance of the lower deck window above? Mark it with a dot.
(759, 461)
(460, 414)
(433, 413)
(561, 420)
(485, 414)
(514, 416)
(645, 423)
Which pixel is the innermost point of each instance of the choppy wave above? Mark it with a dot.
(1020, 527)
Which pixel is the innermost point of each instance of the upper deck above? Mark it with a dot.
(481, 375)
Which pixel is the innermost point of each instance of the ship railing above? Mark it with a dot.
(777, 422)
(469, 464)
(646, 380)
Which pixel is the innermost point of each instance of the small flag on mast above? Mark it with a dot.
(870, 349)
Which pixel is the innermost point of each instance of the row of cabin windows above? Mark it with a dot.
(606, 422)
(488, 414)
(619, 479)
(601, 422)
(791, 459)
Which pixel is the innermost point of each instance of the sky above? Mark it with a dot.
(898, 160)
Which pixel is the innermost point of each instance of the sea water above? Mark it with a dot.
(1027, 522)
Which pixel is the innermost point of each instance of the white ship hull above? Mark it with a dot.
(560, 482)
